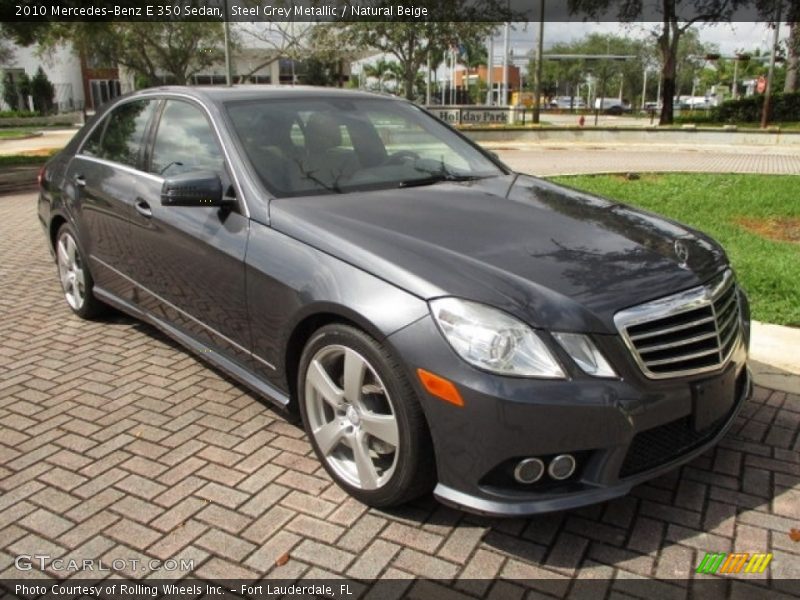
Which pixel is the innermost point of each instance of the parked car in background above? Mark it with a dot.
(568, 103)
(438, 321)
(612, 106)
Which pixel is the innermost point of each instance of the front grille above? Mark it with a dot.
(657, 446)
(686, 333)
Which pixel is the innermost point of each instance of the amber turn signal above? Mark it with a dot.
(440, 387)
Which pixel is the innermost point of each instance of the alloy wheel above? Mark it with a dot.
(70, 269)
(351, 417)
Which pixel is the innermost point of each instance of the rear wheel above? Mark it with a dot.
(76, 280)
(363, 418)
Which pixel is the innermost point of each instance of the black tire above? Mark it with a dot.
(89, 307)
(414, 472)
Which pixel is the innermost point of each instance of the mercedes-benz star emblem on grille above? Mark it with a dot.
(682, 252)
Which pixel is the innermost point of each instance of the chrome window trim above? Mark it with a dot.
(695, 298)
(116, 165)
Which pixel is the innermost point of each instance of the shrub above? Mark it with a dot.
(18, 114)
(784, 107)
(10, 93)
(42, 91)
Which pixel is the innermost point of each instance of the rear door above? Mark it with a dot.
(189, 261)
(102, 180)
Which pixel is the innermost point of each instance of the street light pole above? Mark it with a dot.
(771, 72)
(537, 93)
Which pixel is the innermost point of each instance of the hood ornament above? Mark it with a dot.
(682, 253)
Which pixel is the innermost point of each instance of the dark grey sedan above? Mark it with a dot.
(439, 322)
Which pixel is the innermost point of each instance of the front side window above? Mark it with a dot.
(125, 132)
(304, 146)
(185, 142)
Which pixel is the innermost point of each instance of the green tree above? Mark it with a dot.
(383, 70)
(149, 49)
(318, 71)
(667, 34)
(10, 91)
(562, 76)
(42, 92)
(411, 43)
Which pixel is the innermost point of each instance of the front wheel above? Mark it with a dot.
(76, 280)
(363, 418)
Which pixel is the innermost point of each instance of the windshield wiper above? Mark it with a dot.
(437, 178)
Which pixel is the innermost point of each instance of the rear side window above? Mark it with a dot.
(91, 146)
(124, 134)
(185, 142)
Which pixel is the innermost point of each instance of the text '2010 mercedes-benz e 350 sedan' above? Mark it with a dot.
(439, 322)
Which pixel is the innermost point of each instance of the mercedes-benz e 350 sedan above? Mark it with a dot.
(439, 322)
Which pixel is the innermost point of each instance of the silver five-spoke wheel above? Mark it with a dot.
(70, 269)
(351, 417)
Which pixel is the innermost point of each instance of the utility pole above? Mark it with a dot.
(771, 72)
(489, 73)
(227, 35)
(644, 89)
(504, 96)
(537, 92)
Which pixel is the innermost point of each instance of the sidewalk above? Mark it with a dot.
(775, 357)
(51, 139)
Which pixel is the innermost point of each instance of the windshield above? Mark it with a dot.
(305, 146)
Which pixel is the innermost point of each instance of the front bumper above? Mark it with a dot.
(621, 431)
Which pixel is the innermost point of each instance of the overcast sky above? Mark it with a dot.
(729, 37)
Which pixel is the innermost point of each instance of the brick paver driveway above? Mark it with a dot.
(115, 443)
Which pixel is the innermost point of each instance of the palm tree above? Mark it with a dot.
(383, 70)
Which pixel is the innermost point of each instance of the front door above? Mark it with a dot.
(189, 261)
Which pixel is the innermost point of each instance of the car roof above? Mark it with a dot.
(218, 94)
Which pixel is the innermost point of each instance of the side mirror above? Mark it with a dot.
(196, 188)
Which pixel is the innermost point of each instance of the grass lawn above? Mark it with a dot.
(34, 158)
(755, 217)
(15, 133)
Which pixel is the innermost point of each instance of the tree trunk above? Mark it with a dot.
(409, 78)
(410, 69)
(793, 60)
(668, 44)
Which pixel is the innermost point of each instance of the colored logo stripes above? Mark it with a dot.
(738, 562)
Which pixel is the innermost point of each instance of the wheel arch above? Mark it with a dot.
(56, 222)
(305, 328)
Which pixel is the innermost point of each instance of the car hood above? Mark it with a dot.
(553, 256)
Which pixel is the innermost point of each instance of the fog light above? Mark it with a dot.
(561, 467)
(529, 470)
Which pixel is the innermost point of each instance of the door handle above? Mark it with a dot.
(143, 208)
(79, 180)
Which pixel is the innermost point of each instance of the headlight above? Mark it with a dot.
(492, 340)
(583, 351)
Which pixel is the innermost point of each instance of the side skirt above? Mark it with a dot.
(231, 368)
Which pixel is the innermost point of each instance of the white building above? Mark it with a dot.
(62, 67)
